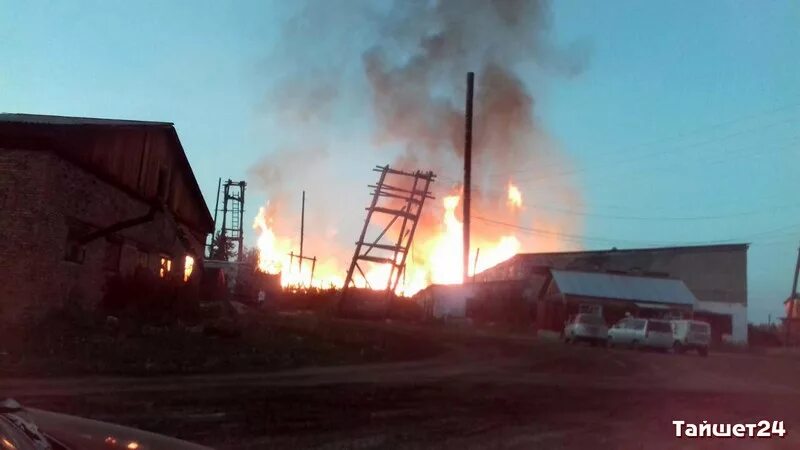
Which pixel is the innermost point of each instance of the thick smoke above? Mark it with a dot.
(417, 75)
(396, 76)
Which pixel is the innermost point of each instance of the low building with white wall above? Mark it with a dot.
(715, 274)
(445, 301)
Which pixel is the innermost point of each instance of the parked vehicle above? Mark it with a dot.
(691, 335)
(641, 333)
(586, 327)
(34, 429)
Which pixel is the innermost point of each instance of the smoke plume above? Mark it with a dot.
(368, 84)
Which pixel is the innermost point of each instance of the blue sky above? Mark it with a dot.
(682, 128)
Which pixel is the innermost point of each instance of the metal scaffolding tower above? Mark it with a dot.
(232, 229)
(403, 195)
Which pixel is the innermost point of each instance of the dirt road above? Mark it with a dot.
(480, 394)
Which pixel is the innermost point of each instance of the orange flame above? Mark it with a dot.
(274, 257)
(445, 263)
(269, 259)
(432, 260)
(188, 267)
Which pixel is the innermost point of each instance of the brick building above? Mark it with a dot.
(82, 199)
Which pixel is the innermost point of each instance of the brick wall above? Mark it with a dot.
(43, 197)
(22, 186)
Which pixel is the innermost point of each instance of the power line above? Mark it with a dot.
(734, 152)
(594, 238)
(728, 155)
(656, 153)
(741, 150)
(666, 218)
(678, 136)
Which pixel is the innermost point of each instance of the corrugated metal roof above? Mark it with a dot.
(67, 120)
(623, 287)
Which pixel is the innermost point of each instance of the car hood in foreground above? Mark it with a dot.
(77, 433)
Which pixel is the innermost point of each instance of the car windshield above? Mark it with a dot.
(590, 319)
(660, 326)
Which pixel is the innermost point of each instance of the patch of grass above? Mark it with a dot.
(61, 346)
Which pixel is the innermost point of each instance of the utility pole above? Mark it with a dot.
(223, 238)
(302, 230)
(467, 173)
(216, 210)
(796, 270)
(475, 264)
(791, 303)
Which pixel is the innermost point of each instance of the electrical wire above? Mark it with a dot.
(660, 141)
(676, 137)
(667, 218)
(652, 154)
(578, 238)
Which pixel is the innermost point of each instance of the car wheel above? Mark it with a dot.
(610, 342)
(677, 347)
(635, 345)
(703, 351)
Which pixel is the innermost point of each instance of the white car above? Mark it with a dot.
(641, 333)
(691, 335)
(586, 327)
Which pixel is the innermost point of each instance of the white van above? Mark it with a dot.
(638, 333)
(691, 335)
(586, 327)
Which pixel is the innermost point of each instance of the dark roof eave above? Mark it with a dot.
(627, 300)
(193, 180)
(91, 122)
(53, 120)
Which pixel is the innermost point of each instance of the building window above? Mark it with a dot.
(166, 267)
(188, 267)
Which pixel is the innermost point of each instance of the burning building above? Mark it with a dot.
(84, 199)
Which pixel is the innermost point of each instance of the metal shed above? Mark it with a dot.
(623, 287)
(612, 294)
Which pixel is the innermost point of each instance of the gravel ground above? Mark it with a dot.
(480, 393)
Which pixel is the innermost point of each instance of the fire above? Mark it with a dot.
(188, 266)
(435, 258)
(165, 268)
(269, 259)
(514, 196)
(445, 262)
(275, 256)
